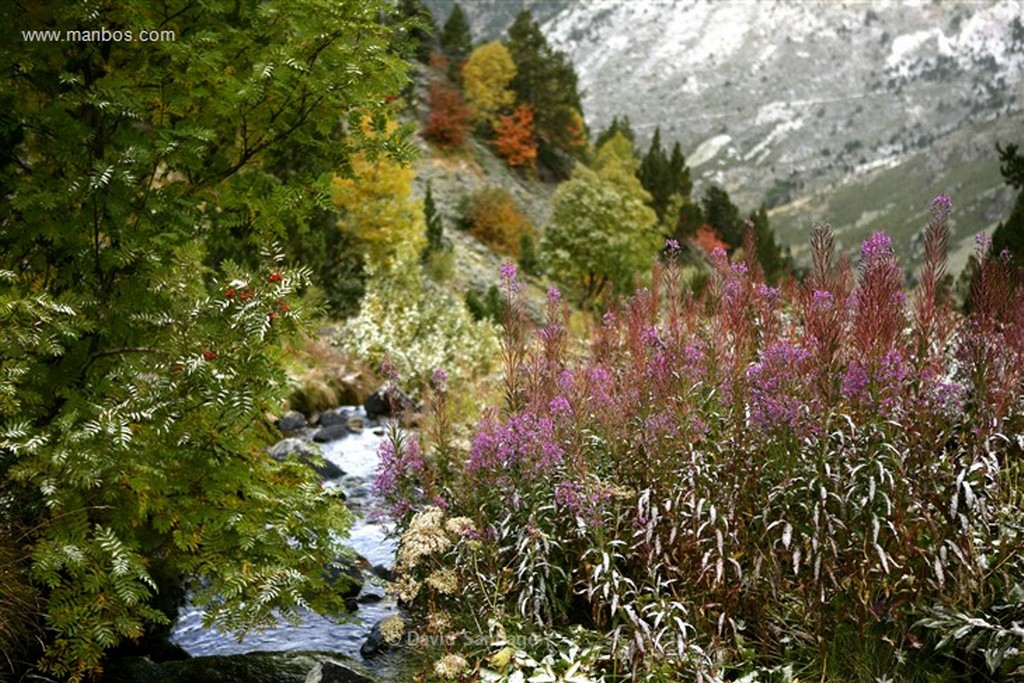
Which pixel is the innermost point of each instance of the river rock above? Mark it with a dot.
(330, 433)
(346, 575)
(253, 667)
(330, 671)
(292, 421)
(355, 424)
(335, 416)
(308, 454)
(375, 644)
(388, 402)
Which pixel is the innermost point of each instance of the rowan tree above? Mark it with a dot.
(456, 38)
(136, 374)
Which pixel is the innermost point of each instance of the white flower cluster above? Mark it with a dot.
(425, 536)
(450, 667)
(418, 330)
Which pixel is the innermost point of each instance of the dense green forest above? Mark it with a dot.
(650, 447)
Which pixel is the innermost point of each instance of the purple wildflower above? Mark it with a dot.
(672, 246)
(508, 271)
(554, 294)
(439, 380)
(398, 473)
(560, 406)
(651, 337)
(879, 245)
(942, 206)
(524, 444)
(777, 381)
(769, 293)
(822, 300)
(566, 382)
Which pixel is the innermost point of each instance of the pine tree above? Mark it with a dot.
(1009, 235)
(769, 253)
(616, 126)
(682, 184)
(655, 175)
(456, 39)
(546, 80)
(434, 222)
(722, 215)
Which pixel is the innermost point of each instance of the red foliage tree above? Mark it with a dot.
(450, 117)
(707, 239)
(515, 141)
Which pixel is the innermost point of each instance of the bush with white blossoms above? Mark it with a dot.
(418, 327)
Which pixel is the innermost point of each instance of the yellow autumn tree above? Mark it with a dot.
(377, 206)
(486, 77)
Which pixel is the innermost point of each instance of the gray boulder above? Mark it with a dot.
(335, 416)
(308, 454)
(292, 421)
(331, 433)
(253, 667)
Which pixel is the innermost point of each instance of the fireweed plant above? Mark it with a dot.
(822, 475)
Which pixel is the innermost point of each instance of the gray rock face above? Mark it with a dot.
(254, 667)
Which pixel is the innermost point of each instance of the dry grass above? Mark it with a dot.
(324, 377)
(20, 608)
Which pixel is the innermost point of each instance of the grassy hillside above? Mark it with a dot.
(895, 198)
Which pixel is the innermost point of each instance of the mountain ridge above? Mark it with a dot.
(785, 102)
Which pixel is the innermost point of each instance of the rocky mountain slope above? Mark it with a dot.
(852, 113)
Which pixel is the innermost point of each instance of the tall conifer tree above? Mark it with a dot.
(456, 38)
(546, 80)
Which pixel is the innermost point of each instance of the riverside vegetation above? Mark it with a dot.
(819, 481)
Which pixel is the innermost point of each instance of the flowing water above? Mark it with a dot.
(356, 455)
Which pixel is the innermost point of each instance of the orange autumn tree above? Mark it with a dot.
(707, 240)
(515, 140)
(492, 215)
(450, 117)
